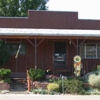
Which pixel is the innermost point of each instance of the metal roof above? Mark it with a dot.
(48, 32)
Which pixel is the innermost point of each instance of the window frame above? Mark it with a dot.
(17, 44)
(85, 55)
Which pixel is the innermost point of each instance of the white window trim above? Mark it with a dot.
(85, 51)
(96, 50)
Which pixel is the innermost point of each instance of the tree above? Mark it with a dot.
(4, 54)
(19, 8)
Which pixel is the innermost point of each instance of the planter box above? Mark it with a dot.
(4, 86)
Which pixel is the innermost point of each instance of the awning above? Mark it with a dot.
(48, 32)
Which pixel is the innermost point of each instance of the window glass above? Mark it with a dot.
(23, 49)
(13, 48)
(90, 50)
(98, 50)
(82, 50)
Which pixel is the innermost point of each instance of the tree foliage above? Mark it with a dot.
(19, 8)
(4, 54)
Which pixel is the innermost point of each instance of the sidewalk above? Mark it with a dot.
(47, 97)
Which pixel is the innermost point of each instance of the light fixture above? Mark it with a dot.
(50, 42)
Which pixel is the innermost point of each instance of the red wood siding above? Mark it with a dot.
(45, 56)
(50, 20)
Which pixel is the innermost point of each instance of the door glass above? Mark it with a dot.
(59, 54)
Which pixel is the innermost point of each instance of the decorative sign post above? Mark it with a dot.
(77, 65)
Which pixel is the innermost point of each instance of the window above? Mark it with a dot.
(13, 48)
(90, 50)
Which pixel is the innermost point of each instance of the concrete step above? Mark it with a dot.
(17, 87)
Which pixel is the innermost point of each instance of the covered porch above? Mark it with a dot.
(52, 49)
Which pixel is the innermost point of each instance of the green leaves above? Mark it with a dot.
(72, 86)
(5, 73)
(19, 8)
(53, 87)
(36, 74)
(4, 54)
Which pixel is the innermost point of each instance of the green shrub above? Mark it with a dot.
(44, 91)
(93, 91)
(39, 91)
(5, 73)
(4, 53)
(71, 86)
(7, 80)
(59, 81)
(97, 72)
(94, 80)
(36, 74)
(35, 91)
(74, 86)
(53, 87)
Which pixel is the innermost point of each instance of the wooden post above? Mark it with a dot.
(28, 81)
(77, 46)
(35, 53)
(35, 46)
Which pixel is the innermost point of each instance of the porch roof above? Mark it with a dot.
(48, 32)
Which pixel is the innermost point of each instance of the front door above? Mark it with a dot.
(59, 54)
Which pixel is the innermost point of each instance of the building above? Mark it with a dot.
(51, 39)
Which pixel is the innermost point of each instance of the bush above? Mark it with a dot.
(4, 53)
(93, 91)
(94, 80)
(59, 81)
(40, 91)
(71, 86)
(97, 72)
(53, 87)
(36, 74)
(5, 73)
(7, 80)
(74, 86)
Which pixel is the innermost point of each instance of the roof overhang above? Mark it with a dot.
(49, 32)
